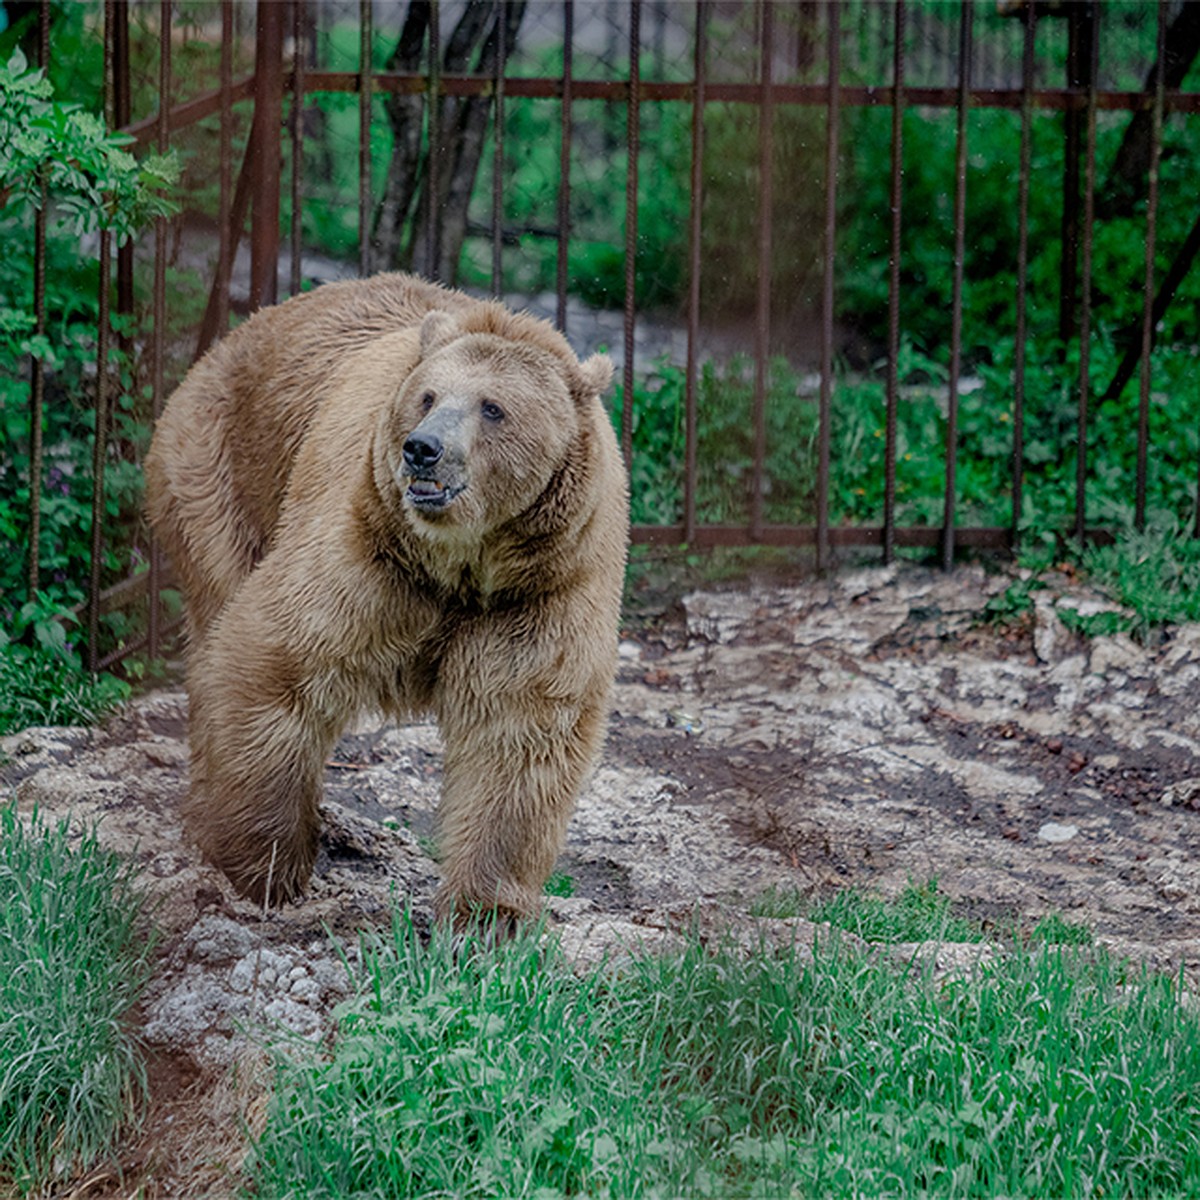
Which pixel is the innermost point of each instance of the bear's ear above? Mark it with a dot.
(437, 329)
(595, 374)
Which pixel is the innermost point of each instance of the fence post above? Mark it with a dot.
(268, 148)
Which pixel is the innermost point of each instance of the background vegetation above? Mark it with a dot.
(596, 275)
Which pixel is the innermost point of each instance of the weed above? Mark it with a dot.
(560, 884)
(1055, 930)
(73, 961)
(919, 913)
(710, 1072)
(43, 687)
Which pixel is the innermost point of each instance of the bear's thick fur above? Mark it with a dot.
(385, 495)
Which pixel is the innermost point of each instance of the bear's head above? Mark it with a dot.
(489, 416)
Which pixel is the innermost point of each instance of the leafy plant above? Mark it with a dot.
(918, 913)
(73, 962)
(56, 154)
(709, 1071)
(49, 145)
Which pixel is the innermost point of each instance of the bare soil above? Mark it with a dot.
(866, 730)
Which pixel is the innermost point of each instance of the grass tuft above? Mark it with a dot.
(73, 961)
(42, 687)
(708, 1072)
(919, 913)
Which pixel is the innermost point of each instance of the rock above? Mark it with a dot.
(1184, 794)
(1053, 832)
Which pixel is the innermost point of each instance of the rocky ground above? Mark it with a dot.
(863, 730)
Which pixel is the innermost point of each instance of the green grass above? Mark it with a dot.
(73, 961)
(708, 1072)
(919, 913)
(42, 687)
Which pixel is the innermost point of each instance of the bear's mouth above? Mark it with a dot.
(428, 495)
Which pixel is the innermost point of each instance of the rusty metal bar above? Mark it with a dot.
(99, 452)
(825, 417)
(1081, 31)
(498, 152)
(226, 245)
(190, 112)
(160, 306)
(807, 95)
(122, 112)
(1018, 452)
(217, 309)
(564, 166)
(433, 91)
(296, 131)
(694, 256)
(762, 310)
(366, 39)
(1085, 289)
(897, 198)
(1143, 427)
(37, 382)
(960, 221)
(927, 536)
(633, 147)
(266, 148)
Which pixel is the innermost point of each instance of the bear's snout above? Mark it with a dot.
(423, 450)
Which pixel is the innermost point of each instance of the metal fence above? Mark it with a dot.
(257, 95)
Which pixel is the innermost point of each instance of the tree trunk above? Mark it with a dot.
(414, 230)
(1127, 178)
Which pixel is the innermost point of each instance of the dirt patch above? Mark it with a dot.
(863, 730)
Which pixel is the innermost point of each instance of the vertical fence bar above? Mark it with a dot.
(564, 165)
(1143, 426)
(122, 114)
(699, 87)
(960, 221)
(37, 382)
(366, 38)
(100, 412)
(163, 133)
(224, 218)
(1081, 35)
(1018, 452)
(762, 312)
(498, 151)
(268, 146)
(897, 197)
(633, 146)
(433, 121)
(825, 419)
(1085, 287)
(296, 129)
(99, 452)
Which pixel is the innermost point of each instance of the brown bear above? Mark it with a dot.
(386, 495)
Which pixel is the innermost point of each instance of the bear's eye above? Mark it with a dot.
(491, 411)
(427, 401)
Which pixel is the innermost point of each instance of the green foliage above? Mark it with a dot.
(91, 182)
(560, 884)
(920, 913)
(1156, 573)
(467, 1072)
(95, 182)
(73, 962)
(1055, 930)
(711, 1072)
(39, 686)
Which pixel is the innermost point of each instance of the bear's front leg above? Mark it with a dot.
(514, 765)
(259, 742)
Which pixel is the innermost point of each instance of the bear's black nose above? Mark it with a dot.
(422, 450)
